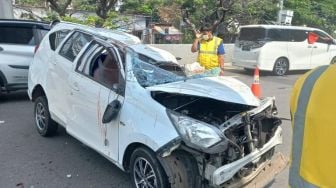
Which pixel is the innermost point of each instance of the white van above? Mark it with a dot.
(282, 48)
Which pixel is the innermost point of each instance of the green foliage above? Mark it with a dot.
(51, 16)
(36, 3)
(87, 5)
(314, 13)
(318, 13)
(72, 19)
(147, 7)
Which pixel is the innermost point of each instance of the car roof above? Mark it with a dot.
(106, 34)
(17, 22)
(279, 27)
(121, 38)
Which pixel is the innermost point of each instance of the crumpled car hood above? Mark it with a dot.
(220, 88)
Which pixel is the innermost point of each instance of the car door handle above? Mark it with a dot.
(314, 46)
(75, 86)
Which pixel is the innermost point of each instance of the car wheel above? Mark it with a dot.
(333, 61)
(281, 66)
(44, 124)
(146, 171)
(184, 170)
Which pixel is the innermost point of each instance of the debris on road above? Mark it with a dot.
(69, 176)
(20, 185)
(2, 121)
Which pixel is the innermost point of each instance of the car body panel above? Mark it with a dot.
(220, 88)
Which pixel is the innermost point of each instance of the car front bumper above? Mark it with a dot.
(224, 173)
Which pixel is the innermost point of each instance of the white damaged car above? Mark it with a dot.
(135, 105)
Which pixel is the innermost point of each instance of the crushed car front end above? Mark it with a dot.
(231, 142)
(225, 135)
(252, 137)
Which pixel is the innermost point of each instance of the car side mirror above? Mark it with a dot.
(111, 111)
(312, 37)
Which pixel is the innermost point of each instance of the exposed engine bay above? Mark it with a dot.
(204, 109)
(244, 128)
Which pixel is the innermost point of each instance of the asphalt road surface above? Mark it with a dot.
(31, 161)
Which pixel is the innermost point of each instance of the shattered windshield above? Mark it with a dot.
(150, 72)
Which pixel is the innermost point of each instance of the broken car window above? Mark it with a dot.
(150, 72)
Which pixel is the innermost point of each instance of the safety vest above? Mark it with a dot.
(207, 55)
(313, 112)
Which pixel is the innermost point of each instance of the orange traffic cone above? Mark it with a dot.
(256, 89)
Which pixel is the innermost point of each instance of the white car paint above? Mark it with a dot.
(300, 54)
(16, 56)
(77, 102)
(220, 88)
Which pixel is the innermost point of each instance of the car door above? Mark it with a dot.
(299, 50)
(322, 50)
(92, 89)
(61, 67)
(17, 43)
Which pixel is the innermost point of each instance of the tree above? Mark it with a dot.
(146, 7)
(104, 6)
(320, 14)
(87, 5)
(59, 7)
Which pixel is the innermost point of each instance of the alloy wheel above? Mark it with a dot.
(281, 67)
(143, 173)
(40, 116)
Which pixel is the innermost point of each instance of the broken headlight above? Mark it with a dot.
(194, 132)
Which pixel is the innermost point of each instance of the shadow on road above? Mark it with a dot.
(15, 96)
(264, 73)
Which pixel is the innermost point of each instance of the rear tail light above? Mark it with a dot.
(36, 48)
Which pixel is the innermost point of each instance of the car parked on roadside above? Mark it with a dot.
(18, 40)
(134, 104)
(281, 49)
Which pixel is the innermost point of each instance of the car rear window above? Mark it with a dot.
(57, 37)
(252, 34)
(17, 35)
(74, 45)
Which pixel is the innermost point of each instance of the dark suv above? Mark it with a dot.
(18, 41)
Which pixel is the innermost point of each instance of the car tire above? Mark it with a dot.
(184, 170)
(44, 124)
(333, 61)
(281, 66)
(146, 169)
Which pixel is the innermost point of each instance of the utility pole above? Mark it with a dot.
(6, 9)
(280, 11)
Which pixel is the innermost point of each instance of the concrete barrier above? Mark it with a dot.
(183, 51)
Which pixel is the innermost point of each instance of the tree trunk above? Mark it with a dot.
(104, 6)
(60, 9)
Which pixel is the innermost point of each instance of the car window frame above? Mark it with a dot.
(320, 33)
(110, 49)
(67, 39)
(60, 44)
